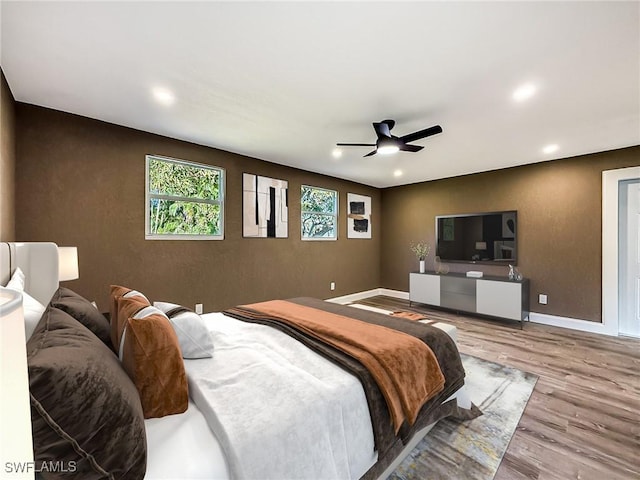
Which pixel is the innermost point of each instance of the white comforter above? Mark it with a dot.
(279, 410)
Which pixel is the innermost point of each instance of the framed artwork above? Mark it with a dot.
(265, 207)
(358, 216)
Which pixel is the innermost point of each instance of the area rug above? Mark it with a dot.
(473, 449)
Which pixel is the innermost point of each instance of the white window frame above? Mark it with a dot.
(148, 196)
(335, 215)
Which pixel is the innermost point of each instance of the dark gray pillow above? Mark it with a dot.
(83, 311)
(85, 410)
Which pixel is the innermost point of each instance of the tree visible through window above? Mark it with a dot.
(184, 200)
(319, 209)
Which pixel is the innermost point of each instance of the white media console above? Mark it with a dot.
(491, 296)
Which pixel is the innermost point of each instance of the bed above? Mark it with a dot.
(184, 445)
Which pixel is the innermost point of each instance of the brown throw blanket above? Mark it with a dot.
(405, 368)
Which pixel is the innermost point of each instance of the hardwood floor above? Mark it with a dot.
(583, 418)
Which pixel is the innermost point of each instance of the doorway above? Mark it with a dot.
(615, 251)
(629, 258)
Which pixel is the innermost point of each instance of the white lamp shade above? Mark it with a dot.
(67, 263)
(481, 245)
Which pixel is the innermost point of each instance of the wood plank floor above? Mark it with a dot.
(583, 418)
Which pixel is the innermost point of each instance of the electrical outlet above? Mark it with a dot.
(199, 308)
(332, 285)
(542, 299)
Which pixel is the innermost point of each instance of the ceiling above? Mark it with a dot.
(284, 82)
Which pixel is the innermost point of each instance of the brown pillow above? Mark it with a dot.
(83, 311)
(152, 358)
(117, 322)
(85, 411)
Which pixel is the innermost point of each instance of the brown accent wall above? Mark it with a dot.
(81, 182)
(7, 161)
(559, 206)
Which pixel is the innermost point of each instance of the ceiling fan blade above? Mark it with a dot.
(427, 132)
(410, 148)
(390, 123)
(370, 153)
(356, 144)
(382, 129)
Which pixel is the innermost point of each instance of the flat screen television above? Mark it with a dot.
(489, 238)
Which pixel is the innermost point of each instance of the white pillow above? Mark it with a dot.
(33, 311)
(17, 281)
(134, 293)
(31, 307)
(192, 333)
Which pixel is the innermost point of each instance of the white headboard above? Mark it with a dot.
(38, 261)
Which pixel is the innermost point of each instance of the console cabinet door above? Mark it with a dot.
(424, 288)
(499, 299)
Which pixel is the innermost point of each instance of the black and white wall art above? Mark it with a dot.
(265, 209)
(358, 216)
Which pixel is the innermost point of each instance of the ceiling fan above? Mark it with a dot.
(388, 143)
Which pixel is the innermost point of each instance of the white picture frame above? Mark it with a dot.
(358, 216)
(265, 207)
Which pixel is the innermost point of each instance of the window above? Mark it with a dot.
(184, 200)
(319, 209)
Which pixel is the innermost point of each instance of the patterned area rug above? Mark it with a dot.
(473, 449)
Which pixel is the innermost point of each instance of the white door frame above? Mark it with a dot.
(610, 194)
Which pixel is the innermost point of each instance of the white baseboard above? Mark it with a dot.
(354, 297)
(541, 318)
(572, 323)
(394, 293)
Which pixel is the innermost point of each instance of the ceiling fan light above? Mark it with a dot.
(387, 149)
(386, 146)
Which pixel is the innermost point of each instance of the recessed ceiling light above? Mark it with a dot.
(337, 153)
(524, 92)
(163, 96)
(397, 173)
(550, 148)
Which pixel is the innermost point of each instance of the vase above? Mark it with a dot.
(422, 269)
